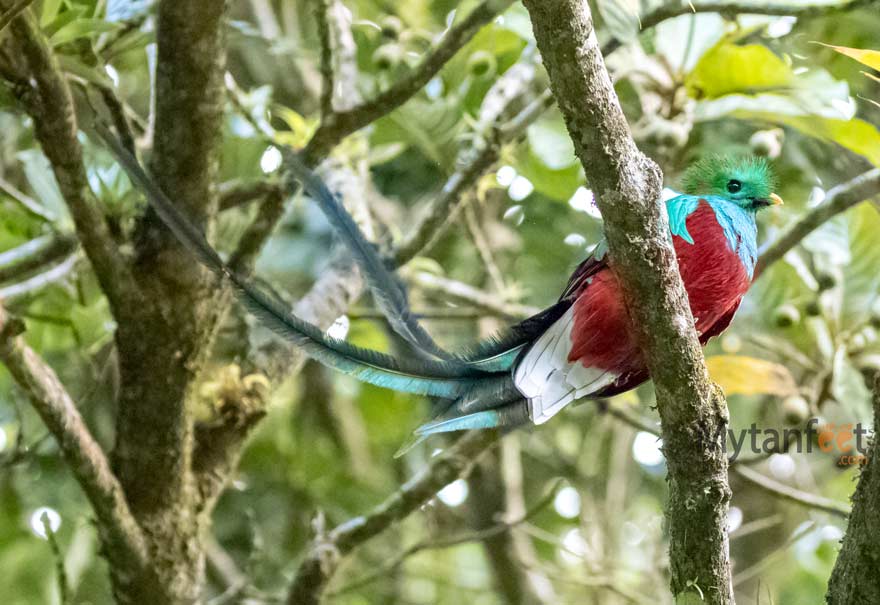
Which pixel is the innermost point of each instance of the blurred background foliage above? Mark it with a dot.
(803, 345)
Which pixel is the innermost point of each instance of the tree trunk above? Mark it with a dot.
(855, 579)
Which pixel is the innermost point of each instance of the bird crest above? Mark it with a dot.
(745, 180)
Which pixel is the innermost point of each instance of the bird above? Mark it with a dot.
(583, 346)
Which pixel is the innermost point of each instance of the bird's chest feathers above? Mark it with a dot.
(716, 254)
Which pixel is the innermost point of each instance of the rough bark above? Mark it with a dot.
(854, 580)
(161, 350)
(627, 187)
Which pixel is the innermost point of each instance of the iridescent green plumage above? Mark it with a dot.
(718, 175)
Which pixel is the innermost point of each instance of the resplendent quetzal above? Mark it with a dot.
(583, 346)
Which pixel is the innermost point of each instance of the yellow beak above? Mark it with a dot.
(775, 200)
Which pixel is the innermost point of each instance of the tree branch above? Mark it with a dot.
(328, 549)
(234, 194)
(627, 185)
(474, 297)
(838, 199)
(154, 432)
(35, 254)
(339, 125)
(46, 97)
(786, 492)
(30, 205)
(736, 7)
(12, 12)
(120, 534)
(322, 7)
(345, 93)
(854, 578)
(491, 530)
(38, 281)
(163, 346)
(444, 208)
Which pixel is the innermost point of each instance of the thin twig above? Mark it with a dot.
(838, 199)
(339, 125)
(785, 492)
(445, 207)
(256, 234)
(481, 243)
(447, 542)
(750, 572)
(625, 415)
(39, 281)
(30, 205)
(121, 535)
(63, 584)
(678, 8)
(328, 549)
(36, 253)
(462, 292)
(236, 193)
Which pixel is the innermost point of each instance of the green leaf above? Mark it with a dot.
(73, 65)
(683, 40)
(549, 141)
(811, 104)
(49, 11)
(621, 18)
(727, 68)
(430, 126)
(81, 28)
(831, 241)
(857, 135)
(556, 184)
(815, 93)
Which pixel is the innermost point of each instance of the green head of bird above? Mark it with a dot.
(746, 181)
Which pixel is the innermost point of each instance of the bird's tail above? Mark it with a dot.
(387, 291)
(497, 354)
(487, 405)
(490, 403)
(479, 382)
(437, 378)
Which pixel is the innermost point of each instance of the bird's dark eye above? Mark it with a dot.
(734, 185)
